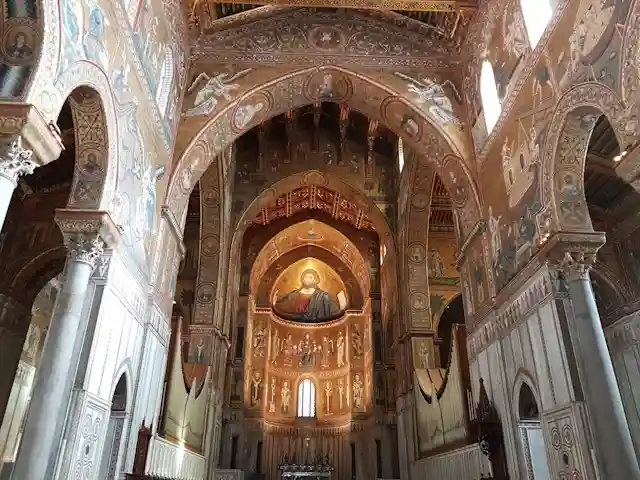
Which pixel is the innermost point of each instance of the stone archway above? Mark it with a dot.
(95, 173)
(565, 153)
(86, 87)
(432, 145)
(359, 92)
(328, 238)
(379, 223)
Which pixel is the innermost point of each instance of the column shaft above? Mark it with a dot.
(610, 429)
(14, 323)
(48, 401)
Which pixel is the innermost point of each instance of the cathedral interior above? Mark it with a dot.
(311, 239)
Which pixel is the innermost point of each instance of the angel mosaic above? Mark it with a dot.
(429, 92)
(220, 85)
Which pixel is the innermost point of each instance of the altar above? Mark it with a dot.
(320, 470)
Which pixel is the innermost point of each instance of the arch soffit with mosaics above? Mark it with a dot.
(314, 177)
(379, 102)
(388, 277)
(326, 237)
(565, 153)
(87, 88)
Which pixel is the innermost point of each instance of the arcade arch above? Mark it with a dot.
(432, 146)
(565, 153)
(32, 250)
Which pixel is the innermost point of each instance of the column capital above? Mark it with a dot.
(86, 233)
(15, 160)
(573, 253)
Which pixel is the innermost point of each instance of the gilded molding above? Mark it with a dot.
(573, 254)
(415, 5)
(503, 318)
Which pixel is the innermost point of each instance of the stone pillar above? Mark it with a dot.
(85, 235)
(575, 255)
(27, 140)
(14, 323)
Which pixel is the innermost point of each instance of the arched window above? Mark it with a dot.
(489, 94)
(306, 399)
(165, 82)
(537, 14)
(400, 155)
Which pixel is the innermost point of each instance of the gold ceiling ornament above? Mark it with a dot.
(410, 5)
(314, 197)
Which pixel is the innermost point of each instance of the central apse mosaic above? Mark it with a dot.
(318, 296)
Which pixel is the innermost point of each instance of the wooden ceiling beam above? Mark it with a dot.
(408, 5)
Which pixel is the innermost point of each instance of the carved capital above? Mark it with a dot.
(86, 233)
(84, 247)
(16, 161)
(573, 254)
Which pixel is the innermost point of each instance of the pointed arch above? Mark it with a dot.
(87, 88)
(565, 154)
(435, 148)
(524, 380)
(410, 122)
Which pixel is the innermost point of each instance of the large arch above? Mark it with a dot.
(341, 247)
(433, 147)
(32, 276)
(86, 86)
(410, 122)
(565, 153)
(331, 182)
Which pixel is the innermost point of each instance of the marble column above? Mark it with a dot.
(15, 161)
(14, 323)
(611, 435)
(85, 235)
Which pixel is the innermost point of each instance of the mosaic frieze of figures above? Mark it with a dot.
(550, 97)
(336, 356)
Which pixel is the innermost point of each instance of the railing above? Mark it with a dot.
(469, 463)
(169, 461)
